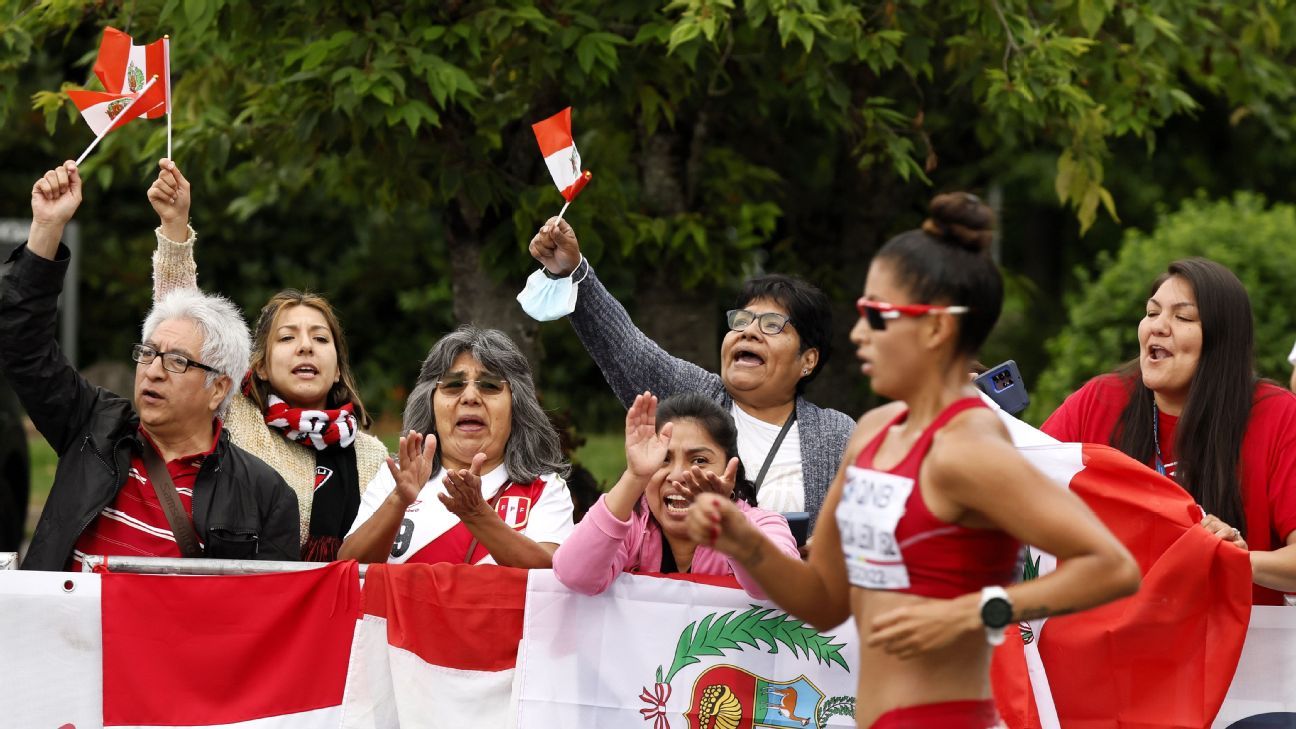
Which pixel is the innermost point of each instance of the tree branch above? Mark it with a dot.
(1011, 46)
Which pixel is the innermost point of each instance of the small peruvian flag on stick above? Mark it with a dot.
(137, 83)
(559, 149)
(105, 112)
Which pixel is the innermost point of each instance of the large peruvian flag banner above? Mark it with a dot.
(437, 647)
(1164, 657)
(256, 652)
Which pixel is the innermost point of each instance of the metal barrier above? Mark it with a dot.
(177, 566)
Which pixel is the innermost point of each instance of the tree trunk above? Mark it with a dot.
(478, 298)
(880, 199)
(682, 321)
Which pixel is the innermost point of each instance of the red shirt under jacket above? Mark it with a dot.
(133, 524)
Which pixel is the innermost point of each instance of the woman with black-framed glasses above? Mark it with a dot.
(779, 338)
(480, 476)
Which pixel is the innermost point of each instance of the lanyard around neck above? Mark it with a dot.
(1156, 439)
(769, 457)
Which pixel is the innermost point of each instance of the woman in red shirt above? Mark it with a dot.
(921, 525)
(1192, 407)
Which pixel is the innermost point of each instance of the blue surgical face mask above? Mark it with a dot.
(547, 299)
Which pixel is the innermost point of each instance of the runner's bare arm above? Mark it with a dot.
(975, 466)
(818, 590)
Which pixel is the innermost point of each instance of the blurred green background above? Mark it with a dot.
(381, 154)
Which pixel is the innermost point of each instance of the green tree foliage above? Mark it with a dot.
(382, 152)
(1244, 234)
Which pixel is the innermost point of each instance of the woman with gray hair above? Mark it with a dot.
(480, 478)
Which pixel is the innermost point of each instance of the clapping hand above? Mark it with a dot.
(463, 496)
(645, 447)
(700, 481)
(416, 455)
(555, 247)
(170, 196)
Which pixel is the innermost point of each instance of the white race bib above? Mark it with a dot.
(871, 506)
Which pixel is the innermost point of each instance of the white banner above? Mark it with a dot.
(650, 652)
(1263, 692)
(677, 654)
(51, 650)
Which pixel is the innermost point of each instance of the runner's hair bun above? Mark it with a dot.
(961, 220)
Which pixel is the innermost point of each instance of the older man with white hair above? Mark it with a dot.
(158, 477)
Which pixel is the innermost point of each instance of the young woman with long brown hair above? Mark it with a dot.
(299, 409)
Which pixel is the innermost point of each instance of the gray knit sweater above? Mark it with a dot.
(632, 363)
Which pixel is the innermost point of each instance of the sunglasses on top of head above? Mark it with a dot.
(877, 312)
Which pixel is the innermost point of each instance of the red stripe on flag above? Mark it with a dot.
(196, 651)
(554, 134)
(713, 580)
(575, 188)
(467, 617)
(114, 54)
(155, 55)
(1162, 657)
(86, 99)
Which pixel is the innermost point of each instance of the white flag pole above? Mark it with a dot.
(166, 69)
(110, 127)
(564, 210)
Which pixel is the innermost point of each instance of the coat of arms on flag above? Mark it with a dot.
(725, 696)
(728, 696)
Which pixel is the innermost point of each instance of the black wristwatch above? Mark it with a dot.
(996, 613)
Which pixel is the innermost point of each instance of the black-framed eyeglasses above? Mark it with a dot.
(171, 361)
(487, 384)
(770, 322)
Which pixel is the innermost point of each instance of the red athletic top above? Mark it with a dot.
(1267, 468)
(893, 542)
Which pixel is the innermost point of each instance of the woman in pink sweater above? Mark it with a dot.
(685, 447)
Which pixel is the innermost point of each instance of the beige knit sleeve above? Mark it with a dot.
(173, 264)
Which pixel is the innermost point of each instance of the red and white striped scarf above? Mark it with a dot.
(315, 428)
